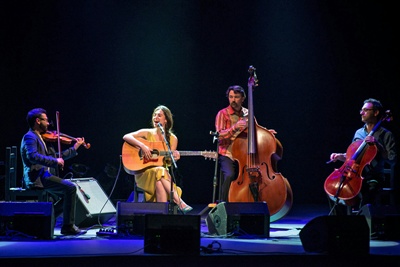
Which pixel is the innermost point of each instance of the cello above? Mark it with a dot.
(257, 151)
(344, 184)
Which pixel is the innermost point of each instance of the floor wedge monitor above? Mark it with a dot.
(93, 205)
(239, 218)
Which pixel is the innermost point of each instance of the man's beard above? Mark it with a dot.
(43, 128)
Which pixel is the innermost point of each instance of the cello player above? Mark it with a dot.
(371, 112)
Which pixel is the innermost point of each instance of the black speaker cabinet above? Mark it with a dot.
(239, 218)
(383, 221)
(27, 220)
(93, 205)
(172, 234)
(336, 235)
(131, 216)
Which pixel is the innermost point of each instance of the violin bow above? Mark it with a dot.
(58, 134)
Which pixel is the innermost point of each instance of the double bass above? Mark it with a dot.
(344, 184)
(257, 152)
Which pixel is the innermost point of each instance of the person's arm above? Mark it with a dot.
(133, 139)
(342, 156)
(338, 156)
(388, 149)
(223, 126)
(30, 145)
(72, 151)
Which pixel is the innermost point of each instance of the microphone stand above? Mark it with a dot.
(171, 196)
(215, 134)
(215, 180)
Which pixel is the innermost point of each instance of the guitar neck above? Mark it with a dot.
(183, 153)
(206, 154)
(191, 153)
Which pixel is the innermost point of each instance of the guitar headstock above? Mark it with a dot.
(253, 81)
(209, 154)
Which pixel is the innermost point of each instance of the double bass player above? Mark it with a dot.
(251, 152)
(229, 123)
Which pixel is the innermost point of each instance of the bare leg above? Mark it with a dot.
(161, 194)
(166, 185)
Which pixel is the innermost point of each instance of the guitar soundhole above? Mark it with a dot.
(154, 154)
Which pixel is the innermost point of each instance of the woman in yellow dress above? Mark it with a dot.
(156, 180)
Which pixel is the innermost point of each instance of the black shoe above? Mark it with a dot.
(72, 230)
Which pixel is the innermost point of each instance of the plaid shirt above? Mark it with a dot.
(225, 126)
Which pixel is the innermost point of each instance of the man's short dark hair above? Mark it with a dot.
(236, 89)
(33, 115)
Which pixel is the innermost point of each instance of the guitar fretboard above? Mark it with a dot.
(187, 153)
(191, 153)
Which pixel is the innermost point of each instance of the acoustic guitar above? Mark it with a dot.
(134, 162)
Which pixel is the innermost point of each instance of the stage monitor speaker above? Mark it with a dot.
(131, 216)
(172, 234)
(26, 220)
(336, 235)
(239, 218)
(93, 205)
(383, 221)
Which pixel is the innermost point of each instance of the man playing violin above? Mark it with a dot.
(371, 113)
(41, 164)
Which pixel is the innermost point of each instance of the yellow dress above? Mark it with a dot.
(147, 179)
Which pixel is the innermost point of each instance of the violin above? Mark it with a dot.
(52, 136)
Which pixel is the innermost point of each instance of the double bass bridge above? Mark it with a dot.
(255, 179)
(254, 172)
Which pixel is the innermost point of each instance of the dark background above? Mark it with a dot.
(105, 65)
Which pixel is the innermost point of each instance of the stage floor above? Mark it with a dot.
(284, 246)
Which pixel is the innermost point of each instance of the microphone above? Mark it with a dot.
(160, 126)
(214, 133)
(84, 193)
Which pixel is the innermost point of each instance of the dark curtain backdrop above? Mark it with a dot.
(105, 65)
